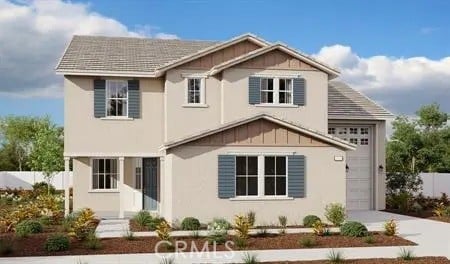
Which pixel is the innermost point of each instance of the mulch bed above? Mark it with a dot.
(34, 245)
(426, 214)
(424, 260)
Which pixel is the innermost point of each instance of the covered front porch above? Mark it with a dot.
(116, 187)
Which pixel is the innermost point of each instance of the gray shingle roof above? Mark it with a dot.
(95, 53)
(347, 103)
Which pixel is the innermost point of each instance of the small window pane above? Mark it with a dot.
(252, 166)
(331, 130)
(101, 181)
(101, 167)
(282, 84)
(269, 186)
(95, 181)
(114, 182)
(269, 166)
(281, 166)
(281, 186)
(241, 165)
(108, 181)
(252, 185)
(241, 186)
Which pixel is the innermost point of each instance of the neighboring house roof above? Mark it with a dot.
(124, 56)
(347, 103)
(143, 57)
(291, 125)
(278, 46)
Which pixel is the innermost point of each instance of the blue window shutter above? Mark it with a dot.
(296, 176)
(226, 176)
(299, 87)
(134, 99)
(99, 98)
(254, 90)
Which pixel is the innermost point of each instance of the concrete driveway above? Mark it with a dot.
(432, 237)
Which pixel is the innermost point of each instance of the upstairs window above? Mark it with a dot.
(285, 91)
(267, 91)
(194, 91)
(116, 98)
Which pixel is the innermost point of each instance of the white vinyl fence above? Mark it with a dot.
(434, 184)
(26, 179)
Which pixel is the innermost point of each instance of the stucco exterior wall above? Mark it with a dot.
(106, 203)
(194, 185)
(86, 135)
(312, 115)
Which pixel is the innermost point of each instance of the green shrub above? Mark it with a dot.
(369, 239)
(335, 213)
(240, 243)
(217, 231)
(308, 241)
(57, 242)
(43, 188)
(6, 247)
(154, 222)
(190, 223)
(27, 227)
(251, 216)
(309, 220)
(68, 221)
(354, 229)
(93, 242)
(143, 218)
(335, 256)
(45, 220)
(248, 258)
(222, 222)
(406, 254)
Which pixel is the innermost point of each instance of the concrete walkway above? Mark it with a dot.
(432, 238)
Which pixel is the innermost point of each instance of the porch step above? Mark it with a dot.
(112, 228)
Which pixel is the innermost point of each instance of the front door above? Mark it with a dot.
(150, 184)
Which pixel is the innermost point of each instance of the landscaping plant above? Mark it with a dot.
(163, 231)
(369, 239)
(92, 241)
(406, 254)
(240, 243)
(390, 228)
(335, 256)
(27, 227)
(251, 216)
(262, 232)
(335, 213)
(190, 223)
(83, 224)
(154, 222)
(309, 220)
(142, 218)
(57, 242)
(241, 226)
(283, 223)
(129, 235)
(354, 229)
(217, 231)
(319, 228)
(308, 241)
(248, 258)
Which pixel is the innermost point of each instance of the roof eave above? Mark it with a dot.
(109, 73)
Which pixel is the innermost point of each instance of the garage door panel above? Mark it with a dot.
(359, 161)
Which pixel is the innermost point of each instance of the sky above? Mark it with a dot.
(395, 52)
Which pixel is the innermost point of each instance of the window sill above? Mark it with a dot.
(196, 105)
(117, 118)
(262, 198)
(104, 191)
(278, 105)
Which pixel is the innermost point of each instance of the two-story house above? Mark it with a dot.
(212, 129)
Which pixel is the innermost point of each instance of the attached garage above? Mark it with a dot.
(360, 173)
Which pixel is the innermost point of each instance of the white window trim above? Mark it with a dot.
(261, 178)
(202, 103)
(108, 117)
(276, 92)
(92, 190)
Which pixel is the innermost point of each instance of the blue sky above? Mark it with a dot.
(397, 52)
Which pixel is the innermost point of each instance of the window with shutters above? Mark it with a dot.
(246, 175)
(274, 175)
(104, 174)
(261, 175)
(276, 91)
(116, 98)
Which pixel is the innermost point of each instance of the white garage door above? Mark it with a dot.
(359, 162)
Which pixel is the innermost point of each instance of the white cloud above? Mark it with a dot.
(428, 30)
(400, 84)
(33, 35)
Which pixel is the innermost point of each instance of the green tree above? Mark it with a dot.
(17, 136)
(47, 153)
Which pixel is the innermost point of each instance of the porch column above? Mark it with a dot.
(121, 187)
(66, 185)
